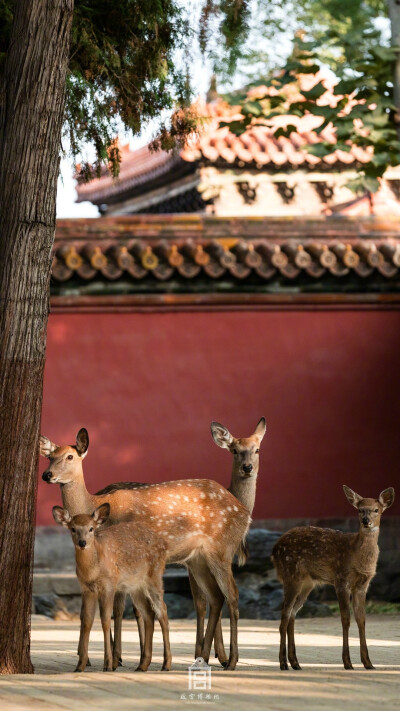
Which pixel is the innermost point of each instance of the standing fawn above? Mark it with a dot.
(246, 461)
(123, 557)
(308, 556)
(202, 524)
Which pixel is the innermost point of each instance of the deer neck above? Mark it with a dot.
(87, 564)
(244, 488)
(367, 549)
(75, 496)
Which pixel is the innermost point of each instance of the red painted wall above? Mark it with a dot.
(147, 386)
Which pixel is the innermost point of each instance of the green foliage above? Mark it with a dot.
(373, 608)
(125, 69)
(345, 38)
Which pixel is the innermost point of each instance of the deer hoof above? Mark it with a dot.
(231, 666)
(369, 666)
(284, 666)
(348, 665)
(295, 665)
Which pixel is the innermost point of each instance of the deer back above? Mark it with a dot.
(124, 554)
(319, 554)
(188, 515)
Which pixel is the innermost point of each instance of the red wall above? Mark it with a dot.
(147, 386)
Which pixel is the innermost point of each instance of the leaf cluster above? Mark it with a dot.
(124, 69)
(346, 39)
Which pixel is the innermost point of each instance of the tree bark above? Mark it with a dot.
(31, 115)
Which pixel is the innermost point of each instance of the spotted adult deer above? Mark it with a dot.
(246, 461)
(122, 557)
(202, 524)
(307, 556)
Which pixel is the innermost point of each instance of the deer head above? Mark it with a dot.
(370, 510)
(83, 526)
(245, 450)
(66, 461)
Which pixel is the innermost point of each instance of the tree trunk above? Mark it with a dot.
(32, 108)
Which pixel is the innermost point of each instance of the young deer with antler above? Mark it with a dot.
(202, 524)
(308, 556)
(123, 557)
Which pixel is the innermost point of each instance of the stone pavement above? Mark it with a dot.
(256, 684)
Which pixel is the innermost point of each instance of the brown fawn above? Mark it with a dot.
(307, 556)
(202, 524)
(122, 557)
(246, 462)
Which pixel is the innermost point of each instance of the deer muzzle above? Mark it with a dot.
(47, 475)
(247, 468)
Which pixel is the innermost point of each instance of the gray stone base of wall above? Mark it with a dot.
(56, 591)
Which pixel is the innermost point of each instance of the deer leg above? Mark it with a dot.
(290, 593)
(210, 590)
(148, 618)
(359, 613)
(219, 644)
(163, 620)
(200, 604)
(299, 602)
(106, 600)
(156, 599)
(222, 571)
(140, 624)
(216, 600)
(118, 612)
(88, 611)
(88, 664)
(344, 604)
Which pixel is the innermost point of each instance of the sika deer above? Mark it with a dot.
(308, 556)
(246, 460)
(202, 524)
(123, 557)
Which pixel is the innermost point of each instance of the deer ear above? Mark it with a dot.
(101, 514)
(61, 516)
(352, 496)
(82, 442)
(386, 497)
(46, 447)
(221, 436)
(261, 429)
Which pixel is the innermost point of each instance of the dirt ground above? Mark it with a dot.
(256, 684)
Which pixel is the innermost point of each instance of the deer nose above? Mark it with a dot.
(247, 468)
(46, 476)
(82, 544)
(365, 521)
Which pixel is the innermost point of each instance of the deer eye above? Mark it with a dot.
(90, 529)
(257, 451)
(73, 530)
(376, 510)
(70, 456)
